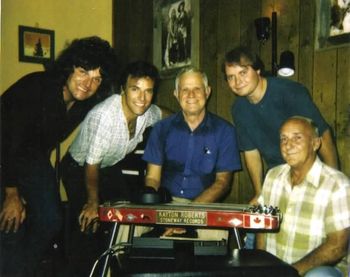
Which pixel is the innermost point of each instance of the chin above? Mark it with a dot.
(81, 97)
(140, 112)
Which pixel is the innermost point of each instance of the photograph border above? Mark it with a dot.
(40, 33)
(158, 36)
(323, 39)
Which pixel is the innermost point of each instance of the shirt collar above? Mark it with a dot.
(312, 177)
(206, 123)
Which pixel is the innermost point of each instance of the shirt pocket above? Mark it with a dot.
(206, 164)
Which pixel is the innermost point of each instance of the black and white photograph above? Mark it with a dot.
(175, 34)
(332, 23)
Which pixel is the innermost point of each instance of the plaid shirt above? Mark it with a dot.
(104, 134)
(312, 209)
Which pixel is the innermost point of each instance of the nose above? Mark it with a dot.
(191, 93)
(288, 144)
(235, 82)
(88, 82)
(142, 95)
(238, 81)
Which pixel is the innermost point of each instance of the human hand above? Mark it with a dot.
(13, 211)
(254, 201)
(174, 231)
(88, 218)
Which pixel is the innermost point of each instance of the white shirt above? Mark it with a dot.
(104, 135)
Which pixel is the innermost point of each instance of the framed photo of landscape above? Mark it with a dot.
(36, 45)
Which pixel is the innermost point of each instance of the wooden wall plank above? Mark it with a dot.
(133, 30)
(208, 46)
(343, 108)
(343, 90)
(324, 84)
(305, 68)
(228, 33)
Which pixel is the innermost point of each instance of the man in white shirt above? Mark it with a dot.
(90, 171)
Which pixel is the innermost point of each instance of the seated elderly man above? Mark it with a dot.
(315, 201)
(193, 152)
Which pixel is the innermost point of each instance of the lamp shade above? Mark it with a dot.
(286, 66)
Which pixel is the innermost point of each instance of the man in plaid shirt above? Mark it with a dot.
(315, 202)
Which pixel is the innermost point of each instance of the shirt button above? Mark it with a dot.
(181, 191)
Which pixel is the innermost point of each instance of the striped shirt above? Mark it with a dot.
(312, 209)
(104, 135)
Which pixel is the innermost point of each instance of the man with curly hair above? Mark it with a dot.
(38, 112)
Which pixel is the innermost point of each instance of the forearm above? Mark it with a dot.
(217, 190)
(91, 181)
(150, 182)
(328, 150)
(153, 176)
(328, 253)
(11, 192)
(255, 169)
(261, 241)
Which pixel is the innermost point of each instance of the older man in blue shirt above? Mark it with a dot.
(192, 153)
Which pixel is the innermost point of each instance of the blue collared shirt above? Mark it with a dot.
(191, 159)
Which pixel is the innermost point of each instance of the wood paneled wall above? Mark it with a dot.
(225, 24)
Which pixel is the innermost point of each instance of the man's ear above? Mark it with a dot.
(317, 142)
(176, 94)
(208, 91)
(122, 90)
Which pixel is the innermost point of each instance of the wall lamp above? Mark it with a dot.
(264, 27)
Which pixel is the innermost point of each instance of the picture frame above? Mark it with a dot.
(332, 24)
(175, 35)
(36, 45)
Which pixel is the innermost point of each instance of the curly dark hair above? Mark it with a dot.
(89, 53)
(139, 69)
(236, 55)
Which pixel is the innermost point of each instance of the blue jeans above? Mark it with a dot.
(22, 251)
(249, 241)
(324, 271)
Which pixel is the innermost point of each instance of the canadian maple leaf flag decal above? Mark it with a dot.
(257, 221)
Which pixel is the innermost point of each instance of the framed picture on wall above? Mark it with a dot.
(175, 35)
(36, 45)
(332, 23)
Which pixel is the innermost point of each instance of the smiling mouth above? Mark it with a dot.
(239, 88)
(83, 89)
(140, 105)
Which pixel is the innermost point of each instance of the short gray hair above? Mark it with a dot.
(308, 121)
(190, 69)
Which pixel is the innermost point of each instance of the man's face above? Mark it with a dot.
(242, 79)
(192, 94)
(82, 84)
(298, 143)
(137, 96)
